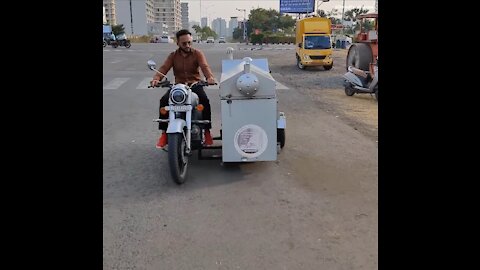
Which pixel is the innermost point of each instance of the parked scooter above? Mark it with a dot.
(360, 81)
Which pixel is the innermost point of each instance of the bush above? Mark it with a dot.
(279, 39)
(140, 39)
(254, 39)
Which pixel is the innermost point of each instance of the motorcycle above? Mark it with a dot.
(121, 42)
(185, 124)
(246, 91)
(360, 81)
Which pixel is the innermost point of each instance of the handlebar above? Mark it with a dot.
(168, 84)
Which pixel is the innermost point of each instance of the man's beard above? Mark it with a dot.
(186, 50)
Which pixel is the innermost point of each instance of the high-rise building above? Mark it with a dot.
(184, 13)
(135, 15)
(168, 12)
(203, 22)
(232, 25)
(110, 14)
(220, 27)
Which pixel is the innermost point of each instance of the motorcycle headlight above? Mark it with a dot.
(178, 96)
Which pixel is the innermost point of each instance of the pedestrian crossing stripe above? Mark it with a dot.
(115, 83)
(143, 85)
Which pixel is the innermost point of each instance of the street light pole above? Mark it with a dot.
(343, 26)
(131, 16)
(244, 23)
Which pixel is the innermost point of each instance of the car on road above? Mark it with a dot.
(210, 40)
(221, 40)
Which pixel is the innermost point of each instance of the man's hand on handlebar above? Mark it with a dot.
(211, 81)
(154, 83)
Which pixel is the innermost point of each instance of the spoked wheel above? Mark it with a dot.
(177, 158)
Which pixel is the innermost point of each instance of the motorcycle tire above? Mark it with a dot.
(281, 137)
(104, 44)
(128, 45)
(177, 158)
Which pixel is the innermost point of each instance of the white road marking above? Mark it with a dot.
(145, 83)
(281, 86)
(115, 83)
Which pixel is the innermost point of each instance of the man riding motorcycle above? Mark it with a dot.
(186, 62)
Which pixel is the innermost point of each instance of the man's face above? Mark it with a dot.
(185, 43)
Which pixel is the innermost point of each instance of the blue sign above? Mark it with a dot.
(297, 6)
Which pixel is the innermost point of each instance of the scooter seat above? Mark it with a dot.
(359, 72)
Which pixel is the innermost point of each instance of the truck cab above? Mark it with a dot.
(313, 42)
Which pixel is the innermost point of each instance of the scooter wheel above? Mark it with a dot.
(349, 91)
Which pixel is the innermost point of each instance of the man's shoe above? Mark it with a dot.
(208, 138)
(162, 141)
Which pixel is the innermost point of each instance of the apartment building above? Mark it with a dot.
(168, 12)
(110, 14)
(135, 15)
(219, 26)
(203, 22)
(232, 25)
(184, 13)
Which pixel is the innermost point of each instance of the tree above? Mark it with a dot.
(118, 29)
(268, 20)
(321, 13)
(237, 33)
(351, 15)
(197, 29)
(204, 32)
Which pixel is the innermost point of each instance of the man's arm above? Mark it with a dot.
(202, 62)
(167, 65)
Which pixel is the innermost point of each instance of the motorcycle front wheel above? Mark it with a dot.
(177, 158)
(127, 44)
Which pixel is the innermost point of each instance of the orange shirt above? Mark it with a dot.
(186, 69)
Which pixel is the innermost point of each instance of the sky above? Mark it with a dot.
(227, 8)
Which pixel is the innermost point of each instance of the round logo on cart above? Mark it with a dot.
(250, 141)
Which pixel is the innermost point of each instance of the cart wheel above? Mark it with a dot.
(281, 137)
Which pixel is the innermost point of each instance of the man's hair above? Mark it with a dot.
(183, 32)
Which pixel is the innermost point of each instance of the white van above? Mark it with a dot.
(210, 40)
(166, 39)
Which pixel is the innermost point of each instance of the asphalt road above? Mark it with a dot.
(316, 207)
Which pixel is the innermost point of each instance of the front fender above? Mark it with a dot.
(349, 76)
(176, 126)
(281, 121)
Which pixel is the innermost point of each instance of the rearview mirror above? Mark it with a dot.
(151, 64)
